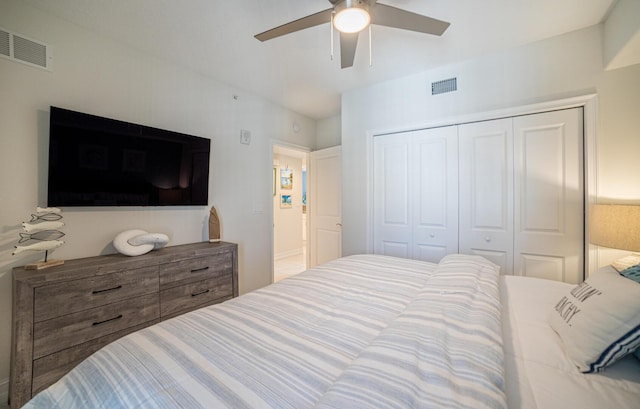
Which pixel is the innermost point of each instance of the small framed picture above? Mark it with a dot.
(286, 179)
(285, 201)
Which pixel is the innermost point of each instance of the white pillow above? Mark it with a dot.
(626, 262)
(599, 320)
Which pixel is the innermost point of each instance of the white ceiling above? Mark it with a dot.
(215, 37)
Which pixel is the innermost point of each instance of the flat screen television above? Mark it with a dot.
(96, 161)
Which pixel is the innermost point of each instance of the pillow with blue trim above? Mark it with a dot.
(598, 321)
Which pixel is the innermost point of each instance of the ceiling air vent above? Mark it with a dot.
(440, 87)
(19, 48)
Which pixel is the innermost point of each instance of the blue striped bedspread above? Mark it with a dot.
(363, 331)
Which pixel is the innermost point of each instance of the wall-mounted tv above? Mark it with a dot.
(96, 161)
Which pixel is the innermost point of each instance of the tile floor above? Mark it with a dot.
(289, 266)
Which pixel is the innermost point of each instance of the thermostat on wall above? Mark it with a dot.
(245, 137)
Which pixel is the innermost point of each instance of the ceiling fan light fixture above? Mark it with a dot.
(351, 20)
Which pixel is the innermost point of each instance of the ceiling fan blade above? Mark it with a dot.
(348, 43)
(296, 25)
(384, 15)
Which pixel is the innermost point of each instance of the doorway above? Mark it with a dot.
(290, 222)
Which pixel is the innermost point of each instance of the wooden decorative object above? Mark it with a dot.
(44, 264)
(214, 226)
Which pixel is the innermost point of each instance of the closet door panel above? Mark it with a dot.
(541, 266)
(486, 190)
(416, 194)
(392, 211)
(435, 193)
(393, 248)
(549, 232)
(431, 253)
(500, 258)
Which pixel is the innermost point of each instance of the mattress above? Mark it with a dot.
(362, 331)
(538, 371)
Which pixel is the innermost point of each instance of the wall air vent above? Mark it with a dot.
(5, 43)
(17, 47)
(440, 87)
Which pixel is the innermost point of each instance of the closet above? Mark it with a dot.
(508, 189)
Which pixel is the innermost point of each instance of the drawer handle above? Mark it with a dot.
(196, 270)
(200, 293)
(106, 290)
(105, 321)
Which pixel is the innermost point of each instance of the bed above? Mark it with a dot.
(364, 331)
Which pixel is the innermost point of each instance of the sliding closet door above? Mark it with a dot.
(549, 195)
(416, 194)
(435, 193)
(486, 191)
(392, 205)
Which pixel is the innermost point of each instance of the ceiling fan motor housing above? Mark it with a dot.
(347, 4)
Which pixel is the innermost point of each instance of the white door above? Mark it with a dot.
(435, 186)
(416, 194)
(392, 234)
(486, 191)
(325, 205)
(549, 195)
(522, 195)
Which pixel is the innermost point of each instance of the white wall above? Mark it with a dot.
(288, 221)
(559, 67)
(96, 75)
(329, 132)
(621, 40)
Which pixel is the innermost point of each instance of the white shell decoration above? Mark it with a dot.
(138, 242)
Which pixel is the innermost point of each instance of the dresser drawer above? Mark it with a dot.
(194, 295)
(50, 368)
(73, 329)
(77, 295)
(195, 269)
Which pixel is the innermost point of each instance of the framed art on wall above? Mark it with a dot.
(286, 179)
(285, 201)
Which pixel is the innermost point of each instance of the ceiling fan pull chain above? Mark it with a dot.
(331, 28)
(370, 49)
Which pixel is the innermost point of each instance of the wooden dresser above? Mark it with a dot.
(63, 314)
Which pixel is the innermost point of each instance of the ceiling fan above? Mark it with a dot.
(350, 17)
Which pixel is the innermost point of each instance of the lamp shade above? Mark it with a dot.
(615, 226)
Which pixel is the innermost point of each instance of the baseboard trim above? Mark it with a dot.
(4, 391)
(289, 253)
